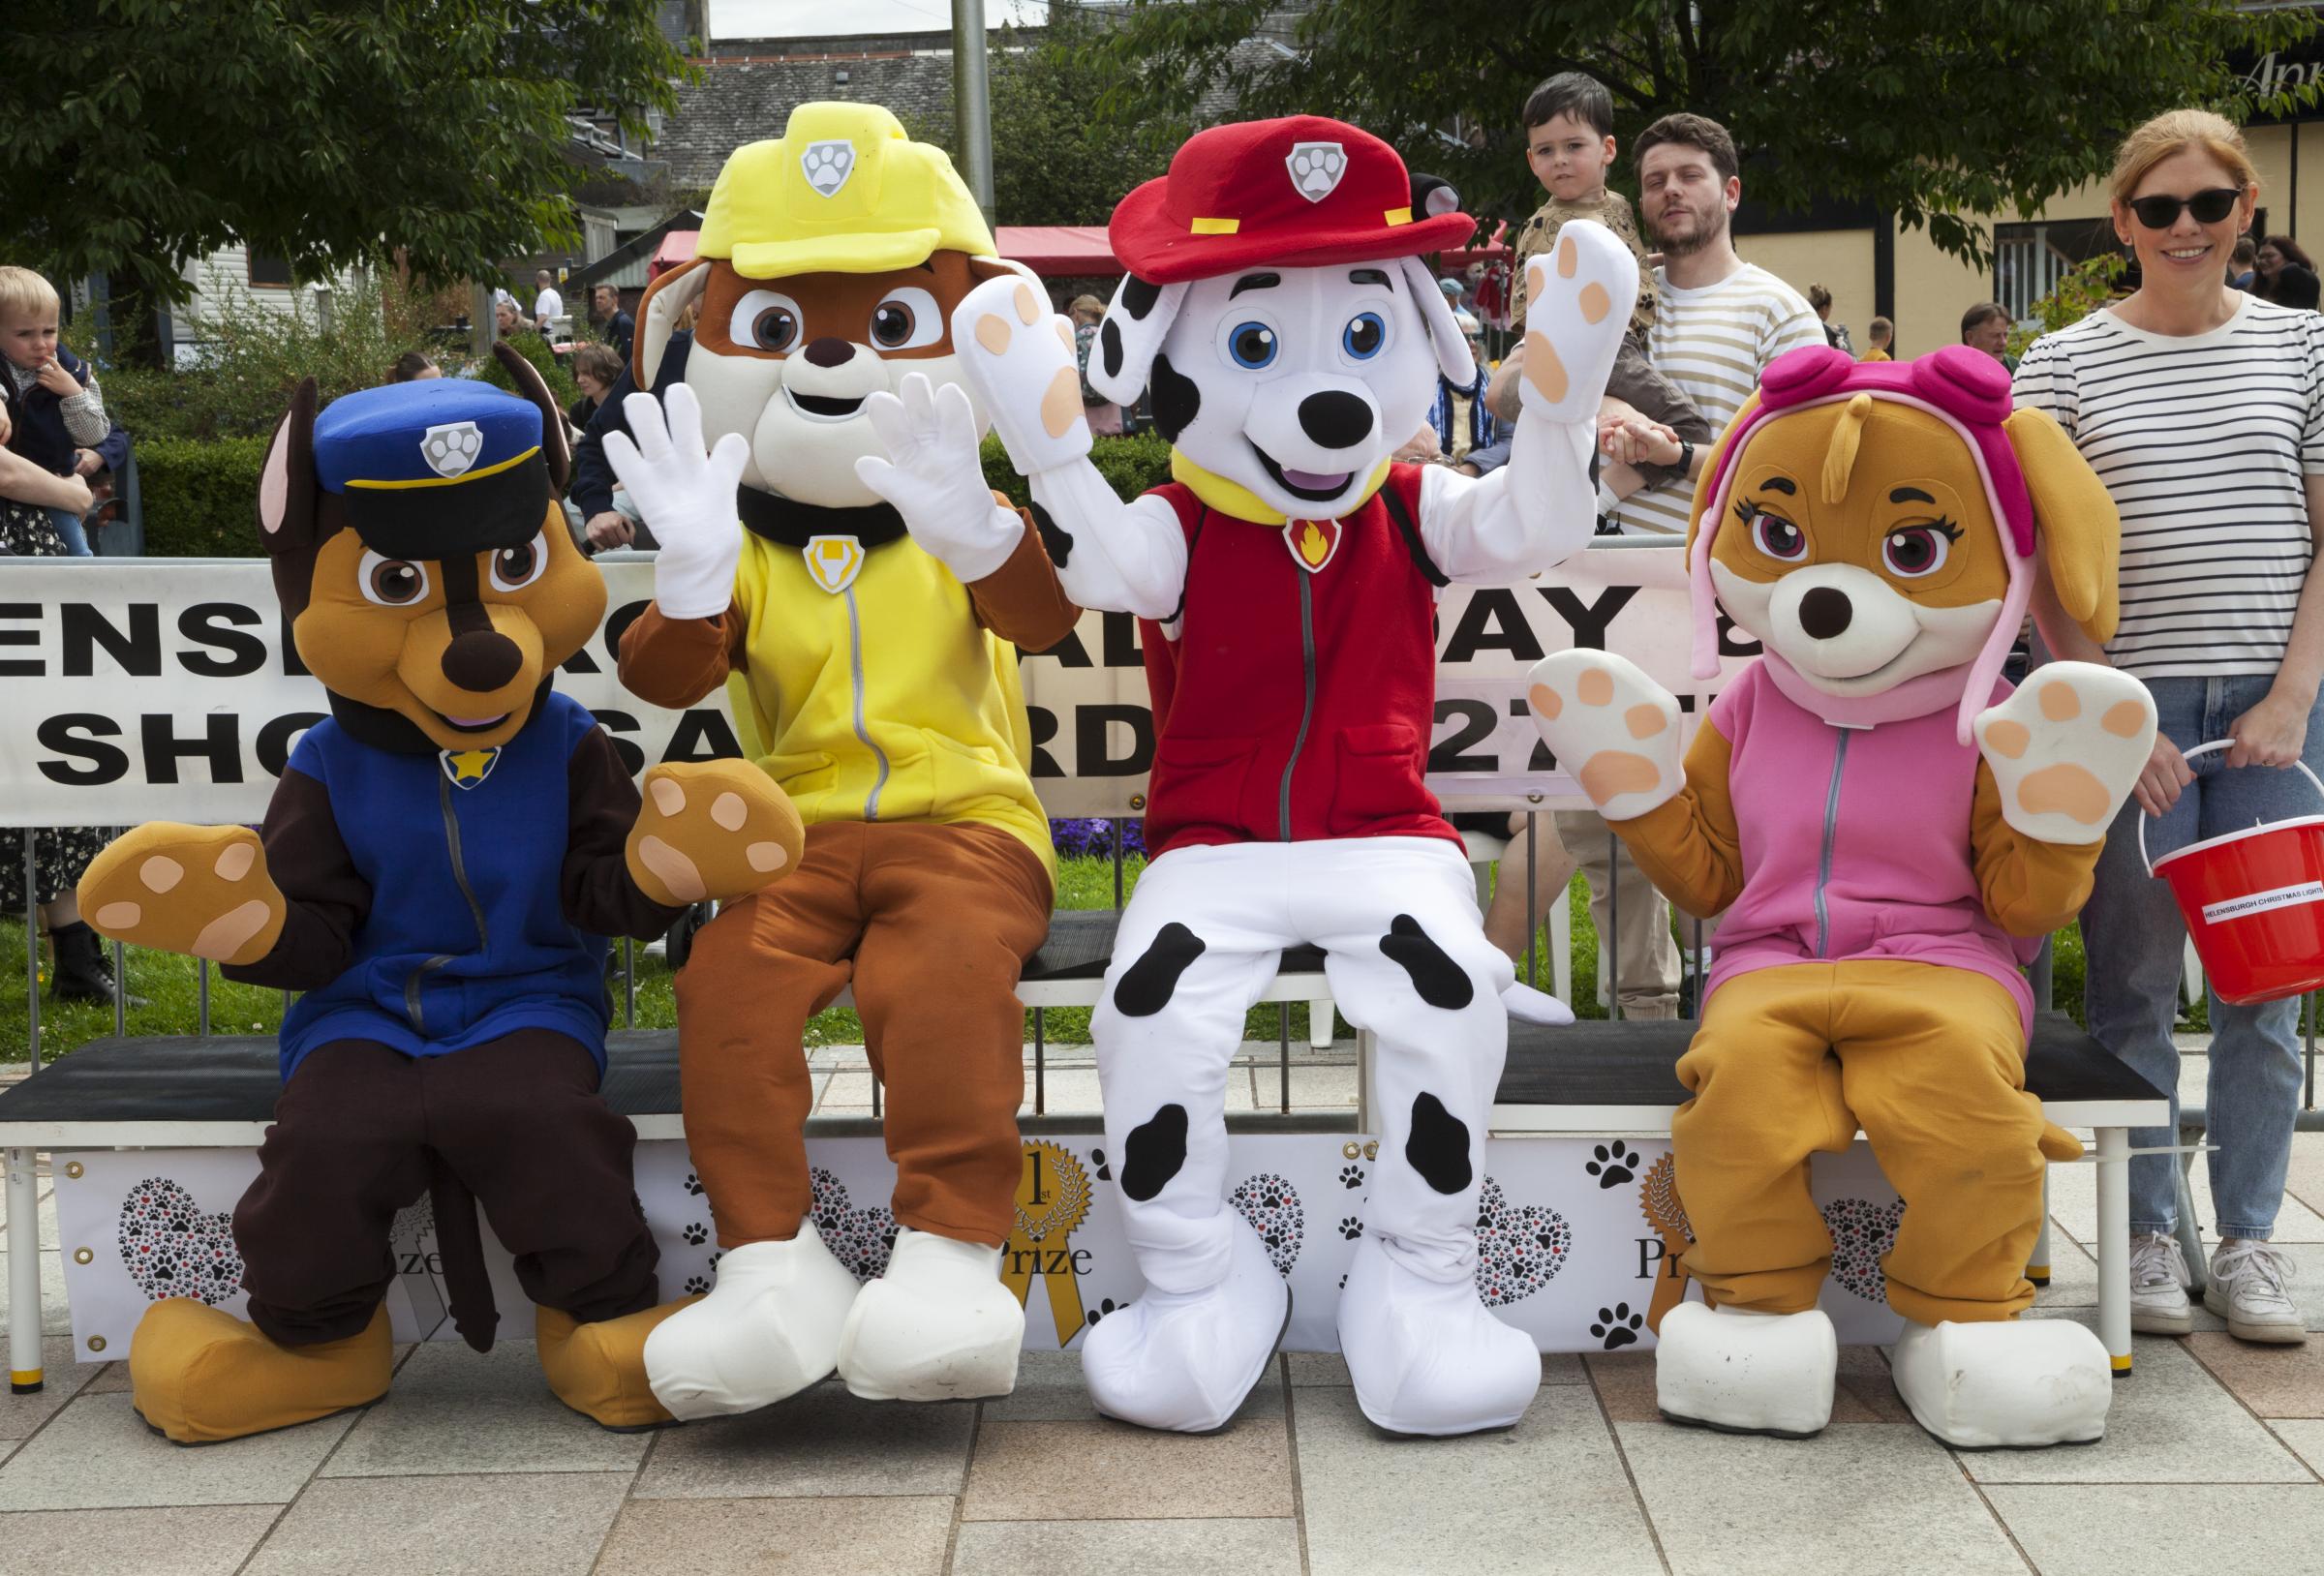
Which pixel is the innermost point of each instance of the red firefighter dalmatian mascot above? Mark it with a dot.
(1279, 311)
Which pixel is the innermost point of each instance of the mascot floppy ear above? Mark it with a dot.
(1453, 357)
(287, 480)
(2076, 528)
(658, 313)
(1711, 466)
(1131, 335)
(529, 386)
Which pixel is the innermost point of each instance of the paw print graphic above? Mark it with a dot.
(1316, 168)
(1617, 1326)
(827, 165)
(1098, 1164)
(1350, 1176)
(1103, 1309)
(1351, 1227)
(715, 1258)
(697, 1233)
(451, 450)
(693, 1183)
(1343, 1283)
(1616, 1163)
(696, 1284)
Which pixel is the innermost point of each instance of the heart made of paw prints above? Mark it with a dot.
(171, 1249)
(1519, 1247)
(1862, 1234)
(859, 1238)
(1271, 1204)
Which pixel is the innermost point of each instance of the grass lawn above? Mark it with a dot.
(168, 983)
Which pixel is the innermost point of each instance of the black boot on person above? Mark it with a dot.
(84, 971)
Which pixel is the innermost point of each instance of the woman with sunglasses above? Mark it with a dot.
(2202, 410)
(2282, 273)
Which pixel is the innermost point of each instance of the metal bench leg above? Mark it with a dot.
(2037, 1268)
(2113, 1245)
(2190, 1230)
(23, 1273)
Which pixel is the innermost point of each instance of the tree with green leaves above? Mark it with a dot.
(329, 132)
(1937, 111)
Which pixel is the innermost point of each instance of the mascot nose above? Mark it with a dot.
(828, 351)
(1824, 613)
(481, 659)
(1336, 418)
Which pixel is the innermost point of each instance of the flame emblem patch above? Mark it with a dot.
(1312, 543)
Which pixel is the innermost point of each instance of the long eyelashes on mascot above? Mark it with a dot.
(1921, 548)
(907, 319)
(766, 320)
(514, 568)
(1773, 534)
(392, 582)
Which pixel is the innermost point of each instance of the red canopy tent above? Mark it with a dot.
(676, 251)
(1060, 250)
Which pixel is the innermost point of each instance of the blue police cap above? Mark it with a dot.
(435, 468)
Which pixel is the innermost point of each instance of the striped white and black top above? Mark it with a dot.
(2203, 440)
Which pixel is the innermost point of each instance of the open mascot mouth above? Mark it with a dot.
(1314, 485)
(821, 407)
(473, 724)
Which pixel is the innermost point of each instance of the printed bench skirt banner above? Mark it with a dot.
(1578, 1237)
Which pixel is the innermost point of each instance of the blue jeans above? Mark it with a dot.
(2134, 938)
(68, 525)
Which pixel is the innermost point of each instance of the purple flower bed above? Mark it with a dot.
(1093, 835)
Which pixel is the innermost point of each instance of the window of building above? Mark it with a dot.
(266, 273)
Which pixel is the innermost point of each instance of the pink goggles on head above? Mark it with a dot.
(1966, 389)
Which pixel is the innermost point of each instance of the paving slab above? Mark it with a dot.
(2171, 1422)
(2251, 1530)
(1312, 1088)
(97, 1452)
(1255, 1547)
(2074, 1204)
(57, 1316)
(1050, 1389)
(63, 1378)
(1543, 1498)
(505, 1525)
(454, 1409)
(888, 1537)
(1066, 1091)
(2305, 1437)
(1112, 1472)
(1858, 1497)
(183, 1540)
(820, 1443)
(1862, 1393)
(2272, 1381)
(2073, 1274)
(2304, 1180)
(1330, 1368)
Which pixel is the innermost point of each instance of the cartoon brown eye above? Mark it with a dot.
(514, 568)
(1914, 551)
(1777, 537)
(891, 325)
(765, 321)
(392, 582)
(774, 329)
(906, 319)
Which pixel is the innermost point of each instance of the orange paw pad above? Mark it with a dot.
(1546, 701)
(1612, 771)
(1644, 721)
(1595, 688)
(2065, 788)
(2060, 702)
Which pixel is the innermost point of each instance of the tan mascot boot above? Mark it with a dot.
(599, 1369)
(200, 1375)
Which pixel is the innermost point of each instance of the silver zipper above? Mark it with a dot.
(1831, 826)
(475, 910)
(855, 668)
(1307, 714)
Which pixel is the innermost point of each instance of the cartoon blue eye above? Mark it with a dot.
(1363, 336)
(1253, 345)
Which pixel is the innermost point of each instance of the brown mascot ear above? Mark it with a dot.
(658, 313)
(287, 480)
(2076, 528)
(529, 384)
(1710, 468)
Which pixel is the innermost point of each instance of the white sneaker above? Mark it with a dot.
(2247, 1290)
(937, 1326)
(2159, 1303)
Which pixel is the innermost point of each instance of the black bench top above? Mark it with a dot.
(1081, 944)
(234, 1077)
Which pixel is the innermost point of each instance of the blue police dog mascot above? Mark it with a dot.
(439, 865)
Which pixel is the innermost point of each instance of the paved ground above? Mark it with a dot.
(2212, 1460)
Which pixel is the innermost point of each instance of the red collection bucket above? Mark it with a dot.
(2253, 903)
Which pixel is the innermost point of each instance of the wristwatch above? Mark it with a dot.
(1685, 456)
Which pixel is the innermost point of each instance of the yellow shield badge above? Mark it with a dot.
(833, 561)
(1312, 543)
(1052, 1197)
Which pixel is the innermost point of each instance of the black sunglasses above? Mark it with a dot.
(2209, 208)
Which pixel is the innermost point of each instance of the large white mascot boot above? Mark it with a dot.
(2020, 1384)
(769, 1329)
(939, 1325)
(1747, 1373)
(1426, 1356)
(1184, 1360)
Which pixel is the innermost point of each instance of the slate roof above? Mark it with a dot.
(741, 100)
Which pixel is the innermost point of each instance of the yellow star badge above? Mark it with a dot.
(466, 768)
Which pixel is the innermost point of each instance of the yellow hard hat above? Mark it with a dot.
(843, 190)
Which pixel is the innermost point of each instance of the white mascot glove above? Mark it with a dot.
(935, 478)
(1019, 358)
(686, 497)
(2066, 750)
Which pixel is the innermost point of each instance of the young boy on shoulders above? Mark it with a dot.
(54, 412)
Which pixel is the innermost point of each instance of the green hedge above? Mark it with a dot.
(200, 499)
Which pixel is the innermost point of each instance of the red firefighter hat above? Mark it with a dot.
(1302, 192)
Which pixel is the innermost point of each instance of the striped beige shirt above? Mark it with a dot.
(1713, 341)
